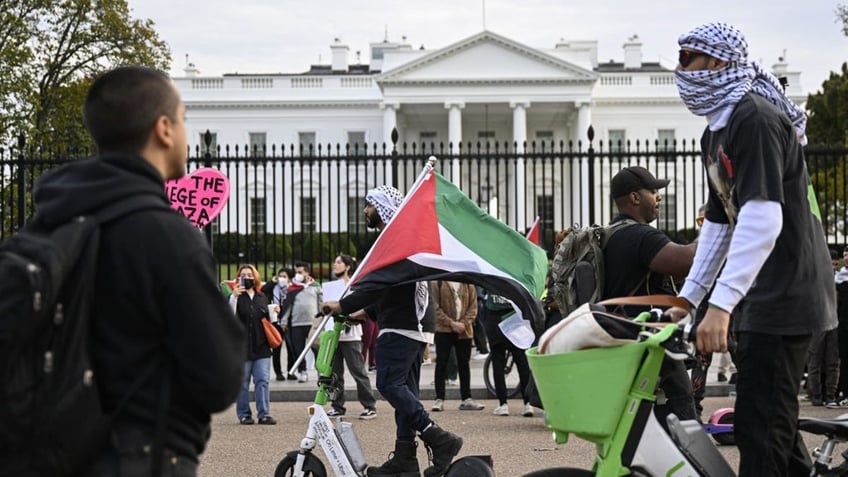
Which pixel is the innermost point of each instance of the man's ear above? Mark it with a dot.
(635, 198)
(163, 131)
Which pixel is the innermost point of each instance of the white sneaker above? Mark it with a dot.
(426, 362)
(452, 382)
(528, 410)
(437, 405)
(502, 410)
(480, 356)
(302, 377)
(469, 405)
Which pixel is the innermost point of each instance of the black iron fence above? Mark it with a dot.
(305, 203)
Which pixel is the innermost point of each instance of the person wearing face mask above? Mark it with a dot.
(299, 309)
(276, 291)
(762, 223)
(349, 352)
(250, 307)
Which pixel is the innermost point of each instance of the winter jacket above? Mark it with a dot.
(156, 301)
(446, 312)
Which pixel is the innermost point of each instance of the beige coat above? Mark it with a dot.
(446, 306)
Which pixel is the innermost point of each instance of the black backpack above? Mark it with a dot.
(50, 412)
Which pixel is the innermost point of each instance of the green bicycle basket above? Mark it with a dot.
(584, 392)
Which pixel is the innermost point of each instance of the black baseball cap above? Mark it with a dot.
(631, 179)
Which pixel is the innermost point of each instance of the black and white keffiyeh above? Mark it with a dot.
(386, 199)
(715, 93)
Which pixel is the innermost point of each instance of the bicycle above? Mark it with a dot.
(615, 410)
(339, 442)
(510, 373)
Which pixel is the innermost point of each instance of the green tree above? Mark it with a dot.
(51, 49)
(842, 16)
(828, 111)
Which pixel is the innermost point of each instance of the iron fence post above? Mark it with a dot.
(21, 181)
(207, 162)
(394, 157)
(590, 133)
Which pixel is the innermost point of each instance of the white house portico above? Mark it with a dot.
(485, 89)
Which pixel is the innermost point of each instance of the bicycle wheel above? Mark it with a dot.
(312, 466)
(561, 472)
(510, 375)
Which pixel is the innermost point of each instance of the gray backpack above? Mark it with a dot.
(578, 269)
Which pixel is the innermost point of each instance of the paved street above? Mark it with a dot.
(518, 444)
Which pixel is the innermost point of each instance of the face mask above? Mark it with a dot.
(248, 283)
(283, 281)
(298, 278)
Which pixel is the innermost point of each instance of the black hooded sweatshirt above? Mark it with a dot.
(155, 295)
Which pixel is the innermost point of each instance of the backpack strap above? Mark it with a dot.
(647, 300)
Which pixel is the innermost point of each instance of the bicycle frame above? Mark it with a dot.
(345, 458)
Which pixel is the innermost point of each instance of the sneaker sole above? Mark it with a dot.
(368, 418)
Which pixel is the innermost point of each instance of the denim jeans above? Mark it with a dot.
(398, 372)
(260, 370)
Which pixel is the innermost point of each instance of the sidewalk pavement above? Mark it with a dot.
(293, 391)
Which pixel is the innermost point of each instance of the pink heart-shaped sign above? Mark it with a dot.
(200, 196)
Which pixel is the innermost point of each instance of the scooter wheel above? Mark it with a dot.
(724, 438)
(471, 466)
(312, 466)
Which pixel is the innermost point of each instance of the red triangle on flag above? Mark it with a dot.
(533, 234)
(414, 229)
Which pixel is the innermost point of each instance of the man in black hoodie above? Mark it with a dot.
(156, 299)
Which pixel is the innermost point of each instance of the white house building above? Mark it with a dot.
(482, 88)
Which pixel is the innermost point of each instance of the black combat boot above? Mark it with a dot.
(444, 446)
(403, 462)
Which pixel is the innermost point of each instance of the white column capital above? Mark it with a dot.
(454, 104)
(519, 104)
(390, 105)
(582, 103)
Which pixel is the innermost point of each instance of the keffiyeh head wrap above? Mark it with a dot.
(386, 199)
(715, 93)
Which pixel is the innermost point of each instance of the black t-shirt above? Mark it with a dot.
(627, 259)
(757, 156)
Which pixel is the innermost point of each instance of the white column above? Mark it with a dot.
(389, 124)
(455, 135)
(519, 135)
(584, 119)
(581, 180)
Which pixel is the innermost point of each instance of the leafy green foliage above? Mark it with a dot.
(828, 111)
(50, 50)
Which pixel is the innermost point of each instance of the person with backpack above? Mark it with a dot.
(640, 260)
(165, 350)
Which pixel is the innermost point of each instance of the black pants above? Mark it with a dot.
(677, 387)
(843, 359)
(519, 359)
(445, 342)
(769, 369)
(823, 366)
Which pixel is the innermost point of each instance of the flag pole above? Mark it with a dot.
(428, 167)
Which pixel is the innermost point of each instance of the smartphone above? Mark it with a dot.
(241, 281)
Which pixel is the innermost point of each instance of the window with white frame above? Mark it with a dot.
(665, 140)
(486, 137)
(257, 215)
(355, 218)
(307, 214)
(356, 141)
(212, 149)
(668, 216)
(306, 141)
(617, 140)
(257, 143)
(545, 138)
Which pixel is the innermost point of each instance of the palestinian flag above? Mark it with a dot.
(533, 233)
(438, 233)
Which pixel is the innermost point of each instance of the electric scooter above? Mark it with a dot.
(338, 440)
